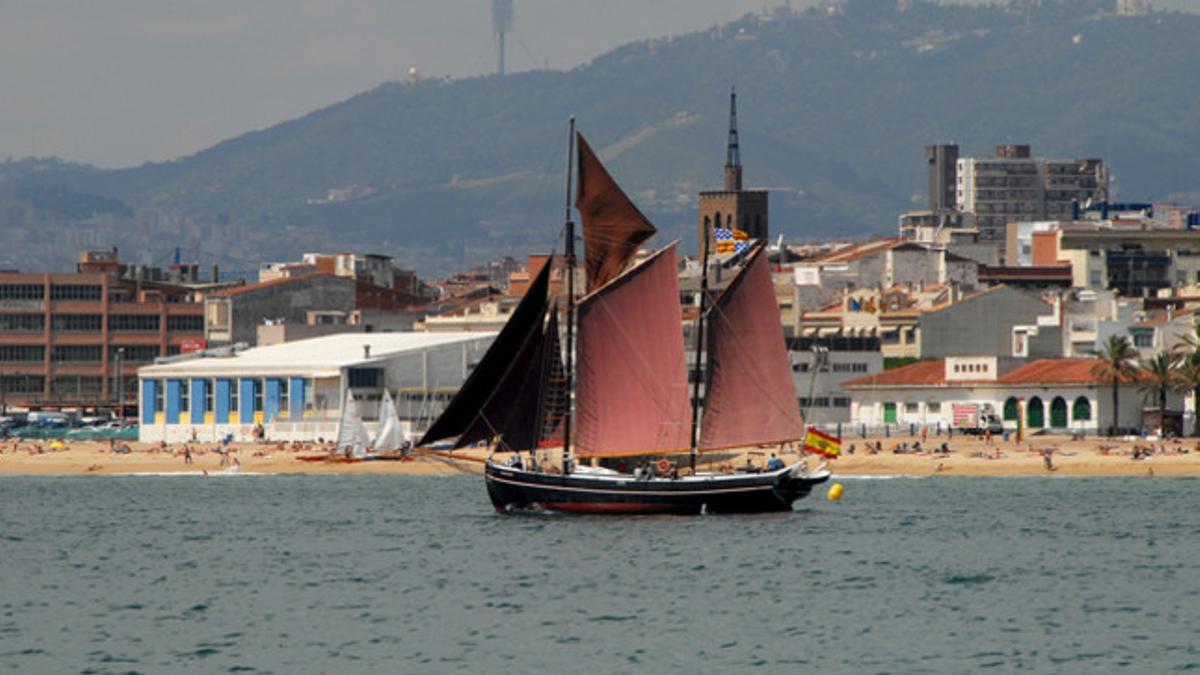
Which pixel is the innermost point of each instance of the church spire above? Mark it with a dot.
(733, 159)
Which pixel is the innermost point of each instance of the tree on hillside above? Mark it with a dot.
(1117, 365)
(1160, 377)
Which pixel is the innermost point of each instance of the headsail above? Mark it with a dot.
(613, 228)
(390, 437)
(750, 397)
(351, 432)
(464, 410)
(632, 394)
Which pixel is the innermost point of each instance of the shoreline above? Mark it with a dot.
(1092, 458)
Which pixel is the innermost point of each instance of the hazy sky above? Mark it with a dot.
(121, 82)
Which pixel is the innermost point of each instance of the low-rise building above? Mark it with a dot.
(295, 390)
(1047, 394)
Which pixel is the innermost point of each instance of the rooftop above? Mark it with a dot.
(318, 357)
(932, 373)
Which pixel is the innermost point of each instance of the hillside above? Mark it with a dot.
(834, 110)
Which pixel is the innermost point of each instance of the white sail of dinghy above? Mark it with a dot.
(352, 433)
(390, 437)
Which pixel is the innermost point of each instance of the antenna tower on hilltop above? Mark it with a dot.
(502, 22)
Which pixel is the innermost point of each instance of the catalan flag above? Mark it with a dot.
(821, 443)
(731, 240)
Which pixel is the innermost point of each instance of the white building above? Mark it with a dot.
(295, 389)
(1053, 394)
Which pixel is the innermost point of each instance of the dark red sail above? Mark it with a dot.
(632, 394)
(512, 346)
(749, 398)
(613, 228)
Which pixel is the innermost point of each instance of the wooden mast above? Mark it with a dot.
(569, 253)
(699, 348)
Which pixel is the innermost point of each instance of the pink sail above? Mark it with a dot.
(749, 398)
(632, 395)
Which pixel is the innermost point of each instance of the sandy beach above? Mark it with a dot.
(968, 457)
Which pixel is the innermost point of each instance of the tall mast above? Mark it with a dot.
(699, 348)
(569, 254)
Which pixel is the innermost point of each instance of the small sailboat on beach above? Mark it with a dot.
(620, 388)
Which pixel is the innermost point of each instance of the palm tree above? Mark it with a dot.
(1188, 382)
(1117, 358)
(1188, 350)
(1160, 376)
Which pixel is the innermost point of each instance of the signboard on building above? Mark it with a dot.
(192, 345)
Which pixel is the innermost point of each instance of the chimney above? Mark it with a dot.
(366, 351)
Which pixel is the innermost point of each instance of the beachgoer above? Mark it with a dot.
(1047, 458)
(187, 455)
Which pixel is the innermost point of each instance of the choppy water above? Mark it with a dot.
(295, 574)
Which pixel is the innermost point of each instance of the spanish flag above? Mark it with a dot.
(821, 443)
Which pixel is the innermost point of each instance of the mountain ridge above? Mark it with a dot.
(834, 111)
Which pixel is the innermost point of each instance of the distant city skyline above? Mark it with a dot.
(132, 81)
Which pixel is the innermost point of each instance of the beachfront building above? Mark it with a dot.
(819, 367)
(1055, 395)
(294, 390)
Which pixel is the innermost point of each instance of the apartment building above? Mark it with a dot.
(76, 339)
(1014, 186)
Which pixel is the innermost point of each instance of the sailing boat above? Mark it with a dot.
(352, 436)
(390, 437)
(630, 388)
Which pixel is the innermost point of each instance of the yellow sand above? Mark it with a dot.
(1070, 458)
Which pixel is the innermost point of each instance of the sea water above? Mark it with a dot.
(350, 574)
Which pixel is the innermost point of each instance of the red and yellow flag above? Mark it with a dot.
(821, 443)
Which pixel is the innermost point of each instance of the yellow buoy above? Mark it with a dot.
(835, 492)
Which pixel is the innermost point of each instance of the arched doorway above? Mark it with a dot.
(1058, 413)
(1082, 410)
(1011, 411)
(1035, 413)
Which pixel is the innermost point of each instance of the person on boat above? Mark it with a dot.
(515, 461)
(774, 464)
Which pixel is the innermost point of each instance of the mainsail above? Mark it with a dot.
(749, 398)
(469, 413)
(632, 395)
(351, 432)
(613, 228)
(390, 436)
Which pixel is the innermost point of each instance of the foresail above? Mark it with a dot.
(461, 413)
(390, 437)
(750, 397)
(352, 432)
(632, 394)
(613, 228)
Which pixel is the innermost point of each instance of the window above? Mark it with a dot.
(258, 395)
(75, 386)
(210, 388)
(134, 353)
(934, 407)
(21, 292)
(185, 395)
(132, 323)
(233, 395)
(1082, 409)
(285, 404)
(849, 367)
(75, 292)
(841, 402)
(364, 378)
(160, 390)
(76, 323)
(22, 323)
(22, 353)
(310, 394)
(191, 323)
(76, 353)
(1143, 338)
(910, 407)
(22, 384)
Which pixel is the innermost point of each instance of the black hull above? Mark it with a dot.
(584, 493)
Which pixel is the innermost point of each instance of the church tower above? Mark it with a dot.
(733, 207)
